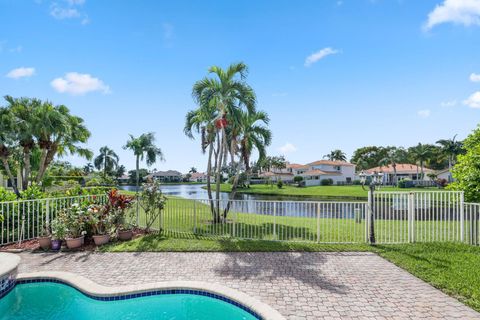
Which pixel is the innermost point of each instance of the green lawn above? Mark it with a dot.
(325, 192)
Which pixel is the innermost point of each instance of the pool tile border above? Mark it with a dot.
(103, 293)
(143, 294)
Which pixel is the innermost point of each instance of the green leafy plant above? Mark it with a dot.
(6, 195)
(326, 182)
(59, 230)
(280, 184)
(152, 201)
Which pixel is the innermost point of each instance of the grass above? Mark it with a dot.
(324, 192)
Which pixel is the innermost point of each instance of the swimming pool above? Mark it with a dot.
(54, 300)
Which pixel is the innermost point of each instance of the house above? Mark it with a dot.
(198, 177)
(314, 172)
(445, 174)
(404, 171)
(166, 176)
(123, 179)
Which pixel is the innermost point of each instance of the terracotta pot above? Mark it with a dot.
(45, 242)
(101, 239)
(73, 243)
(125, 235)
(83, 240)
(56, 244)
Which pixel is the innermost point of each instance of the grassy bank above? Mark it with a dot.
(325, 192)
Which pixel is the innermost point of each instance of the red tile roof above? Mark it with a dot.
(317, 172)
(332, 163)
(404, 168)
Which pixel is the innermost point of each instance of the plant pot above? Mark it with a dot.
(101, 239)
(74, 243)
(56, 244)
(83, 240)
(45, 242)
(125, 235)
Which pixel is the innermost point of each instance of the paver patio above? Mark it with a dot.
(299, 285)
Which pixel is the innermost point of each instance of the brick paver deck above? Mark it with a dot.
(298, 285)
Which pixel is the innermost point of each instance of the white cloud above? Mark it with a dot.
(424, 113)
(464, 12)
(475, 77)
(314, 57)
(451, 103)
(64, 13)
(79, 84)
(473, 101)
(76, 2)
(21, 72)
(287, 148)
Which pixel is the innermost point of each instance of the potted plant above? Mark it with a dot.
(58, 233)
(74, 218)
(118, 205)
(99, 219)
(45, 240)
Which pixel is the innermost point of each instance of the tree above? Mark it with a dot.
(451, 148)
(107, 160)
(421, 153)
(369, 157)
(144, 147)
(120, 171)
(336, 155)
(193, 170)
(88, 168)
(132, 175)
(466, 171)
(393, 157)
(7, 144)
(220, 100)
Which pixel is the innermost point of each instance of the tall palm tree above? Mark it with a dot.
(106, 160)
(220, 100)
(421, 153)
(193, 170)
(143, 147)
(336, 155)
(392, 157)
(451, 148)
(253, 134)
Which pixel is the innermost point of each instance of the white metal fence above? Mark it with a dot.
(398, 217)
(24, 219)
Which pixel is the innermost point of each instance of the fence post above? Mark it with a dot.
(411, 217)
(194, 216)
(318, 222)
(275, 220)
(369, 214)
(462, 217)
(47, 212)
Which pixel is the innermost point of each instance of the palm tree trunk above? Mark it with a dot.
(221, 146)
(137, 174)
(41, 168)
(26, 162)
(209, 173)
(10, 176)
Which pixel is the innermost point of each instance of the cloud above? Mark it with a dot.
(64, 13)
(473, 101)
(79, 84)
(69, 9)
(287, 148)
(450, 103)
(424, 113)
(314, 57)
(21, 72)
(464, 12)
(475, 77)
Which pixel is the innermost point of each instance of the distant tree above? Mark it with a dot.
(132, 175)
(369, 157)
(336, 155)
(451, 148)
(120, 171)
(107, 160)
(393, 157)
(193, 170)
(88, 168)
(144, 147)
(421, 153)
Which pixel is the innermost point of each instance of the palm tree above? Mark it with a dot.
(88, 168)
(253, 134)
(7, 144)
(193, 170)
(106, 160)
(336, 155)
(451, 148)
(421, 153)
(143, 147)
(220, 100)
(392, 158)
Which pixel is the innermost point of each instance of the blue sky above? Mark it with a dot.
(331, 74)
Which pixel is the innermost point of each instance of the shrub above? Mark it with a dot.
(6, 195)
(280, 184)
(326, 182)
(32, 192)
(357, 182)
(152, 201)
(404, 183)
(297, 179)
(441, 183)
(59, 230)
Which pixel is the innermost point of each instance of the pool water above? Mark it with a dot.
(58, 301)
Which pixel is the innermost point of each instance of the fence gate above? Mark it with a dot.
(420, 216)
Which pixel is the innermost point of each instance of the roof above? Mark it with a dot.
(294, 165)
(401, 168)
(197, 175)
(272, 174)
(332, 163)
(316, 172)
(165, 173)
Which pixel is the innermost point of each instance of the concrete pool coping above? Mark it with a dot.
(8, 263)
(89, 287)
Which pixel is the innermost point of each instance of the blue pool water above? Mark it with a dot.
(58, 301)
